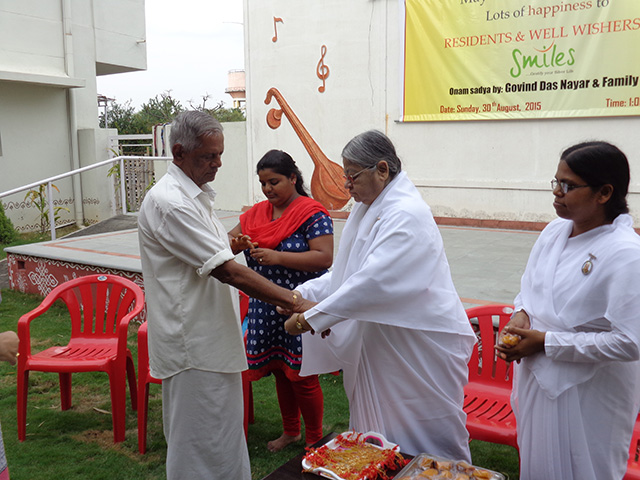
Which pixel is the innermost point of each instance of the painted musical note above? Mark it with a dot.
(322, 70)
(275, 28)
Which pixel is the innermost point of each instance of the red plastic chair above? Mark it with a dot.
(100, 309)
(145, 378)
(633, 464)
(487, 395)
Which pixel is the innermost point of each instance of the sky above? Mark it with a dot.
(191, 46)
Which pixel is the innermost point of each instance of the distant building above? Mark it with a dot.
(236, 88)
(51, 54)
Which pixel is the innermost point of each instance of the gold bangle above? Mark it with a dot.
(298, 324)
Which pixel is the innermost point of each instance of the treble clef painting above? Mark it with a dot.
(327, 184)
(322, 70)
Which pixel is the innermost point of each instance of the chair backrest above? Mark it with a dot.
(633, 464)
(98, 304)
(485, 366)
(244, 305)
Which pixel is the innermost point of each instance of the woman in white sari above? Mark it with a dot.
(577, 385)
(398, 329)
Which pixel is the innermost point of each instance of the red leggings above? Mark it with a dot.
(304, 396)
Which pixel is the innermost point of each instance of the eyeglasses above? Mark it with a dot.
(352, 178)
(564, 186)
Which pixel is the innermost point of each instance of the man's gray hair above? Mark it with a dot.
(188, 126)
(369, 148)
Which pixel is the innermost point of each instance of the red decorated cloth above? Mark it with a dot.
(267, 233)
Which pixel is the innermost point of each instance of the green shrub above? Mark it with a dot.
(7, 233)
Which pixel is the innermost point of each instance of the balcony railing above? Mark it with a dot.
(49, 182)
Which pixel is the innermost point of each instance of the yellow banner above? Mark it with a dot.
(500, 59)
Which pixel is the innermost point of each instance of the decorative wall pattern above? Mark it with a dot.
(39, 276)
(322, 70)
(327, 185)
(275, 28)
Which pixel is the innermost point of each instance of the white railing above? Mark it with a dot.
(49, 181)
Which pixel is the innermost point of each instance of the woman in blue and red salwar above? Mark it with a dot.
(288, 239)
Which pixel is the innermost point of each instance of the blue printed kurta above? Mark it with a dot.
(269, 346)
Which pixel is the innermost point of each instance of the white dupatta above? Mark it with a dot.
(390, 269)
(611, 290)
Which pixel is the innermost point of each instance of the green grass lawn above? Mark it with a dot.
(78, 444)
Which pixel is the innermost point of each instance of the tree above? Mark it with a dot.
(124, 118)
(221, 113)
(7, 233)
(162, 108)
(228, 114)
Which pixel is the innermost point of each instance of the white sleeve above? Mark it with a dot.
(185, 234)
(590, 347)
(321, 321)
(316, 289)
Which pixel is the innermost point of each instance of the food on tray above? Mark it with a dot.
(429, 473)
(480, 473)
(510, 339)
(426, 466)
(444, 464)
(465, 467)
(350, 457)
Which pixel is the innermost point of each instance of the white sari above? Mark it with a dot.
(399, 331)
(576, 403)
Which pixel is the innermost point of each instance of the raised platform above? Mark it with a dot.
(39, 267)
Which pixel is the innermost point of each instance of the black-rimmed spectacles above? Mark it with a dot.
(352, 178)
(564, 186)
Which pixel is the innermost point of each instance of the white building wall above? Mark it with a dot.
(35, 137)
(474, 169)
(231, 183)
(50, 54)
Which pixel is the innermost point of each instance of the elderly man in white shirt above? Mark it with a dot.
(195, 339)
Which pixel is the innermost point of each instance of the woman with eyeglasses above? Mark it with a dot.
(287, 238)
(576, 390)
(398, 329)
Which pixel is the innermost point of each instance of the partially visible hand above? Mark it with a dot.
(532, 341)
(325, 334)
(519, 319)
(9, 347)
(264, 256)
(301, 305)
(290, 325)
(241, 242)
(297, 325)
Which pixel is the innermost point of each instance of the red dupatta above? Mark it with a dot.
(258, 224)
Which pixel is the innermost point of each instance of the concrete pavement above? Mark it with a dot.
(486, 264)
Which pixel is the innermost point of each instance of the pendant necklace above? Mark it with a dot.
(588, 265)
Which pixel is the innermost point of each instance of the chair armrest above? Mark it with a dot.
(24, 334)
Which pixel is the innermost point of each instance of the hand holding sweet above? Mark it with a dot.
(241, 242)
(531, 341)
